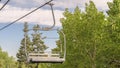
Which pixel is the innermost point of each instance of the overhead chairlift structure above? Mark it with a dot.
(4, 4)
(47, 57)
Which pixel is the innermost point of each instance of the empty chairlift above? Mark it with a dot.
(48, 57)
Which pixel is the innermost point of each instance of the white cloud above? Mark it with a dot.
(100, 4)
(40, 1)
(42, 16)
(10, 14)
(27, 3)
(67, 3)
(20, 1)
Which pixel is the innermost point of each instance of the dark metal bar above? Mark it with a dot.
(4, 5)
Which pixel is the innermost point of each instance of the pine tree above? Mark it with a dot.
(22, 53)
(37, 41)
(36, 45)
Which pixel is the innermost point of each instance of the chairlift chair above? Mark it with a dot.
(46, 57)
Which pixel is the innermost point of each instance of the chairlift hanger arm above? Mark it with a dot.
(54, 22)
(53, 16)
(4, 4)
(51, 5)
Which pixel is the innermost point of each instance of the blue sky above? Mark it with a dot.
(10, 37)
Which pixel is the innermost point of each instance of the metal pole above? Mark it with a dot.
(64, 43)
(49, 28)
(51, 5)
(25, 45)
(61, 46)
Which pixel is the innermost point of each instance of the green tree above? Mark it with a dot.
(22, 53)
(57, 49)
(6, 61)
(114, 19)
(36, 45)
(93, 36)
(37, 41)
(85, 33)
(113, 29)
(70, 24)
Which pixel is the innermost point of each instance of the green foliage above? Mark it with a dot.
(21, 55)
(114, 32)
(57, 49)
(6, 61)
(114, 19)
(38, 43)
(91, 42)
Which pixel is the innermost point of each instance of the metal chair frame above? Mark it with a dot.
(44, 57)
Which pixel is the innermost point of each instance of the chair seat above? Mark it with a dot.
(45, 58)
